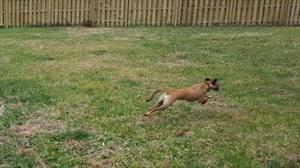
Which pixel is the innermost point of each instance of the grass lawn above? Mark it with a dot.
(76, 97)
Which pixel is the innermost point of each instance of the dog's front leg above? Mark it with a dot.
(203, 99)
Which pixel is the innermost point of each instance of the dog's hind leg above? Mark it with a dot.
(157, 105)
(163, 103)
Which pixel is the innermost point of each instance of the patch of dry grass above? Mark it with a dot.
(33, 128)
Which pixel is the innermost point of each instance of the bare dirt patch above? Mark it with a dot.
(199, 35)
(246, 34)
(251, 34)
(40, 162)
(106, 157)
(2, 139)
(146, 120)
(38, 46)
(31, 128)
(5, 60)
(41, 121)
(184, 132)
(177, 63)
(295, 158)
(176, 59)
(2, 108)
(234, 35)
(81, 32)
(75, 145)
(15, 106)
(115, 34)
(175, 54)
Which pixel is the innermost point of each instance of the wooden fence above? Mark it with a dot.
(148, 12)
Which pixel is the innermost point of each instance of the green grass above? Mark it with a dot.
(76, 97)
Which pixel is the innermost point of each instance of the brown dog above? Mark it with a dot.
(196, 92)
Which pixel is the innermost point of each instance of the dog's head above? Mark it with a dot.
(212, 84)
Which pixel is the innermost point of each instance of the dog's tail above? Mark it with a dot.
(154, 93)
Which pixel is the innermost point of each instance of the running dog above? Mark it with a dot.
(197, 92)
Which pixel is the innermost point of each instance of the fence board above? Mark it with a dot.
(117, 12)
(267, 6)
(255, 9)
(164, 12)
(249, 12)
(153, 9)
(21, 13)
(169, 11)
(37, 13)
(143, 12)
(158, 13)
(17, 13)
(233, 12)
(296, 16)
(5, 17)
(55, 15)
(293, 12)
(122, 10)
(277, 8)
(205, 11)
(112, 13)
(179, 12)
(12, 12)
(272, 11)
(190, 12)
(211, 10)
(96, 15)
(8, 6)
(4, 2)
(82, 12)
(148, 12)
(42, 14)
(103, 13)
(129, 12)
(194, 8)
(286, 12)
(1, 13)
(223, 10)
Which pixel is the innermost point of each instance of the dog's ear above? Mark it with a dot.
(207, 79)
(214, 81)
